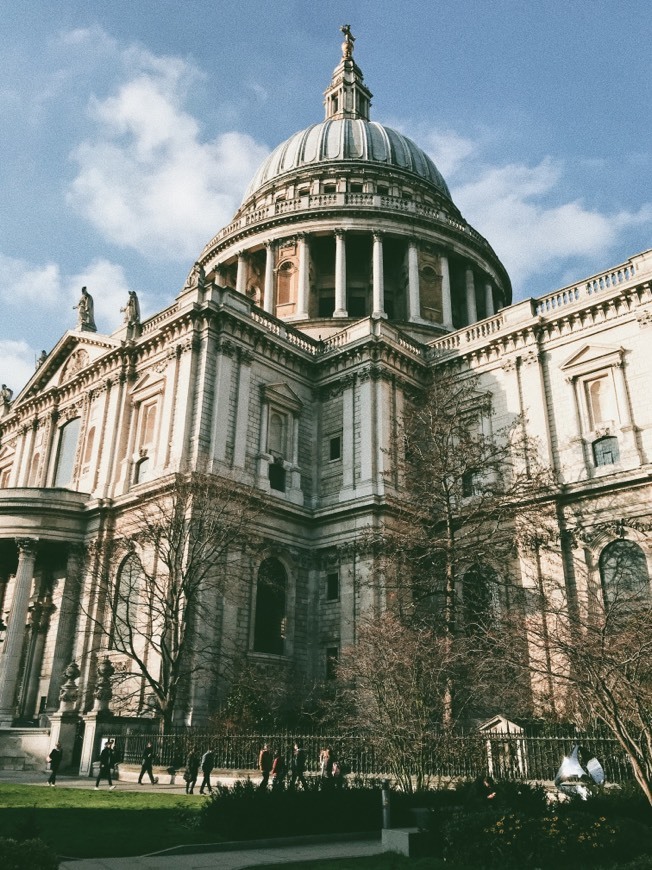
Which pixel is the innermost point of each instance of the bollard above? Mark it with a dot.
(386, 804)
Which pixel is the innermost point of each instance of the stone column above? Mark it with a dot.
(414, 298)
(446, 302)
(268, 294)
(340, 275)
(12, 647)
(378, 278)
(65, 638)
(241, 274)
(39, 625)
(471, 310)
(304, 276)
(489, 299)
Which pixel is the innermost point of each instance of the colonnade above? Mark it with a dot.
(377, 283)
(22, 658)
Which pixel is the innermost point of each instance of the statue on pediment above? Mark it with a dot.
(131, 310)
(85, 312)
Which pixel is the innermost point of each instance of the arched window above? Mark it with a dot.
(285, 281)
(269, 629)
(125, 603)
(276, 439)
(68, 437)
(624, 574)
(479, 598)
(141, 470)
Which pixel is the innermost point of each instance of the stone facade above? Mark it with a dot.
(346, 276)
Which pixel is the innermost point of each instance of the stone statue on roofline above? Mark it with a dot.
(85, 312)
(5, 399)
(131, 310)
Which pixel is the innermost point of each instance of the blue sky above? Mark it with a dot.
(129, 131)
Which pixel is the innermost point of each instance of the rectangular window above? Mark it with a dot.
(335, 448)
(332, 586)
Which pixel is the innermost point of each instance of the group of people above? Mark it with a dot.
(270, 763)
(273, 764)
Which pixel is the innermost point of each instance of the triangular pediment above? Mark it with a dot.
(591, 357)
(150, 381)
(73, 353)
(281, 394)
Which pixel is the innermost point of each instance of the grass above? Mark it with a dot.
(80, 823)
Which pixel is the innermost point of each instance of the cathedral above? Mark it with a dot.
(346, 276)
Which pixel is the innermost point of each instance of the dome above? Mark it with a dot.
(347, 139)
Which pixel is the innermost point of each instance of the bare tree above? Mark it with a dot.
(165, 571)
(448, 545)
(595, 645)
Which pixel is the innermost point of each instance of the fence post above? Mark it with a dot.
(386, 795)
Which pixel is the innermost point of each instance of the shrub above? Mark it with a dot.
(26, 855)
(560, 838)
(241, 811)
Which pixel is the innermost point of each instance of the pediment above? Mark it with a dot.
(591, 357)
(74, 352)
(281, 394)
(150, 382)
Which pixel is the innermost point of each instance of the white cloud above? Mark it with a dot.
(17, 363)
(22, 284)
(523, 210)
(524, 214)
(147, 180)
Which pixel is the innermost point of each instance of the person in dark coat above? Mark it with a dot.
(298, 766)
(54, 758)
(207, 765)
(192, 770)
(278, 771)
(148, 761)
(264, 766)
(106, 764)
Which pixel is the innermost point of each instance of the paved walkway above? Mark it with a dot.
(236, 858)
(222, 856)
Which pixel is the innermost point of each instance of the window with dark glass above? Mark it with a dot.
(478, 594)
(335, 448)
(624, 573)
(605, 451)
(270, 622)
(332, 586)
(68, 438)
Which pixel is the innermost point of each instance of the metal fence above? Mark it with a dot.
(519, 755)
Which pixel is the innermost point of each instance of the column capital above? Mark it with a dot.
(270, 243)
(378, 235)
(339, 233)
(27, 546)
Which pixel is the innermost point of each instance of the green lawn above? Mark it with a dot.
(80, 823)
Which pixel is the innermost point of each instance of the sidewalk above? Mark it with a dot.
(221, 856)
(237, 856)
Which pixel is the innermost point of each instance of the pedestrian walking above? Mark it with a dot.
(54, 758)
(326, 766)
(106, 764)
(264, 766)
(207, 765)
(192, 770)
(298, 766)
(278, 771)
(148, 761)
